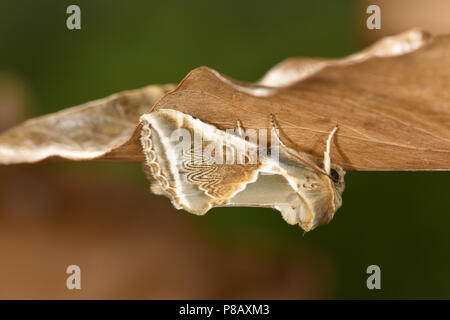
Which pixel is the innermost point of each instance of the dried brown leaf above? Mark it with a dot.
(391, 102)
(99, 129)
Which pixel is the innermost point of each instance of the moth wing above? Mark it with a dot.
(178, 168)
(288, 183)
(155, 187)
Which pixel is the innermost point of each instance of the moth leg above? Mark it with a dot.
(275, 130)
(326, 155)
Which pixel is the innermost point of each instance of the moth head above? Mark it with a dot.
(337, 178)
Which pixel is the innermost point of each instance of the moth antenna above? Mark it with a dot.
(326, 154)
(239, 128)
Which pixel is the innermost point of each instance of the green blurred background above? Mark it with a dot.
(399, 221)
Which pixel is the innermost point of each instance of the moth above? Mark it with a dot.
(304, 189)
